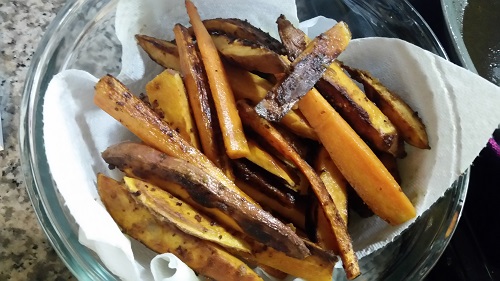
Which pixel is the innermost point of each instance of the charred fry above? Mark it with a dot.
(406, 120)
(306, 70)
(339, 228)
(237, 28)
(270, 185)
(350, 101)
(293, 214)
(162, 52)
(250, 55)
(155, 167)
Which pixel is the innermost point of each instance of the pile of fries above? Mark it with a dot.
(250, 147)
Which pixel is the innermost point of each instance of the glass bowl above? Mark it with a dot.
(82, 37)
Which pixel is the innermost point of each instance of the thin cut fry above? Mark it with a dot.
(200, 100)
(336, 185)
(230, 123)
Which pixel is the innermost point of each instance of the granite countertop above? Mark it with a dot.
(25, 252)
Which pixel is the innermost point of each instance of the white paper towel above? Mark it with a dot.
(458, 107)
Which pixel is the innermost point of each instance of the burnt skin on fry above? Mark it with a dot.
(346, 97)
(162, 52)
(242, 29)
(250, 55)
(153, 166)
(305, 71)
(406, 120)
(265, 182)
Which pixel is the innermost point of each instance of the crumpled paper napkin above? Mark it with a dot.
(459, 108)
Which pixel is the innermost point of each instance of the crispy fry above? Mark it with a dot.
(230, 123)
(265, 182)
(247, 85)
(168, 98)
(350, 101)
(409, 125)
(137, 221)
(243, 83)
(201, 103)
(155, 167)
(306, 70)
(250, 55)
(166, 207)
(243, 29)
(362, 114)
(115, 99)
(375, 185)
(294, 39)
(294, 214)
(266, 129)
(162, 52)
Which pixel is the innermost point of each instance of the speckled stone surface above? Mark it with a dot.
(25, 253)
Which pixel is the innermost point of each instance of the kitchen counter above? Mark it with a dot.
(25, 253)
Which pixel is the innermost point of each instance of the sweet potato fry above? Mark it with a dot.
(350, 101)
(306, 70)
(247, 85)
(230, 123)
(200, 100)
(167, 97)
(271, 164)
(409, 125)
(339, 228)
(243, 83)
(162, 52)
(155, 167)
(294, 214)
(294, 40)
(265, 182)
(166, 207)
(249, 55)
(375, 185)
(135, 220)
(243, 29)
(317, 266)
(336, 185)
(334, 181)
